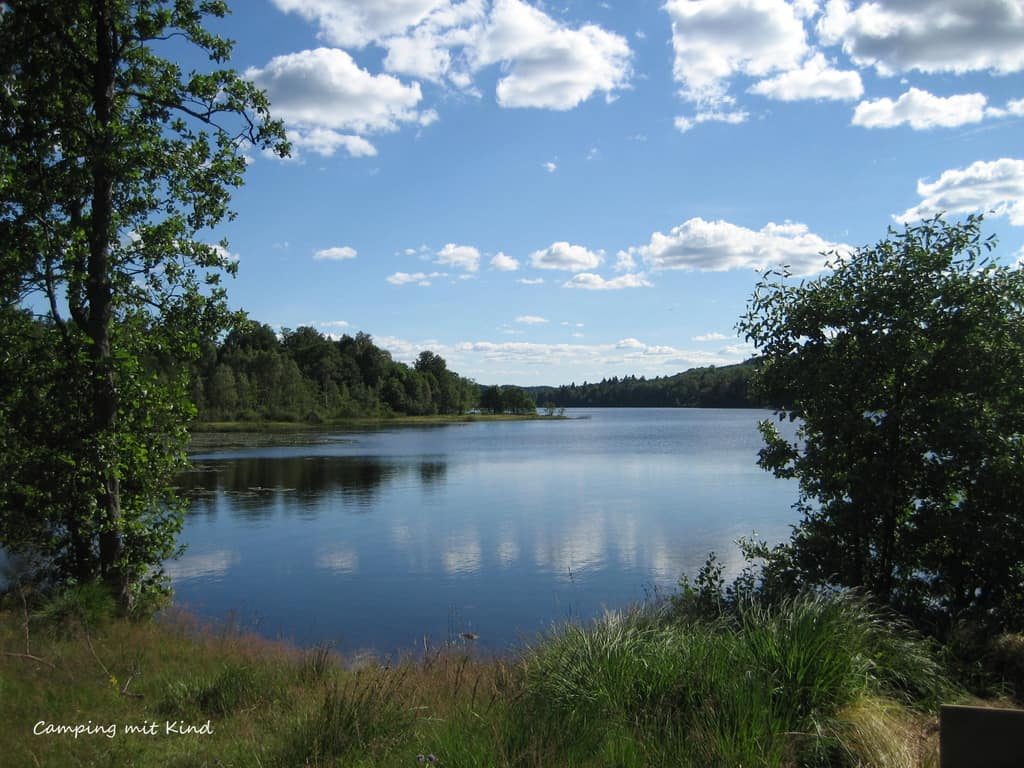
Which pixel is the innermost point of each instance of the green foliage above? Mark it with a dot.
(712, 386)
(306, 376)
(355, 718)
(905, 366)
(516, 400)
(235, 687)
(76, 607)
(807, 682)
(757, 684)
(114, 165)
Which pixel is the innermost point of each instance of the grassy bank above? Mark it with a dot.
(816, 681)
(212, 435)
(364, 422)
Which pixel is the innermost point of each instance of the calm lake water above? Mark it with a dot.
(374, 540)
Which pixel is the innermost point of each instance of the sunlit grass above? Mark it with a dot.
(815, 681)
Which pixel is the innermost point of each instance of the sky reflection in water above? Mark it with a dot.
(494, 528)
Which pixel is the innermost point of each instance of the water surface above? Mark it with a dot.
(377, 539)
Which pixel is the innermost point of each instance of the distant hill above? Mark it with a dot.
(725, 386)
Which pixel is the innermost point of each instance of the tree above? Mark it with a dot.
(113, 165)
(905, 367)
(491, 400)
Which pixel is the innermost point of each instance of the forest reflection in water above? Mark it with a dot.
(374, 540)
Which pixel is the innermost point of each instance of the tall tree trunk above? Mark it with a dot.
(100, 297)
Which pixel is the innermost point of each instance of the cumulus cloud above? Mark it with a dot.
(815, 79)
(996, 186)
(628, 354)
(420, 278)
(337, 253)
(711, 337)
(562, 255)
(714, 40)
(322, 93)
(921, 110)
(325, 142)
(547, 64)
(717, 246)
(504, 263)
(591, 282)
(734, 117)
(544, 62)
(531, 319)
(895, 36)
(418, 55)
(333, 324)
(550, 167)
(531, 280)
(462, 256)
(624, 262)
(358, 22)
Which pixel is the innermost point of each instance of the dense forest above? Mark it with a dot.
(256, 373)
(726, 386)
(302, 375)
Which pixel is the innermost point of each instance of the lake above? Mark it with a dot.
(378, 540)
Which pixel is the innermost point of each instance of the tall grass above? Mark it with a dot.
(768, 687)
(819, 680)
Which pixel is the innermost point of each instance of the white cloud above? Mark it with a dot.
(717, 39)
(815, 79)
(223, 252)
(337, 253)
(550, 167)
(418, 55)
(333, 324)
(358, 22)
(504, 263)
(921, 110)
(320, 92)
(531, 280)
(1015, 107)
(624, 262)
(325, 142)
(711, 337)
(462, 256)
(420, 278)
(996, 186)
(546, 64)
(684, 124)
(531, 319)
(591, 282)
(627, 354)
(895, 36)
(1019, 256)
(562, 255)
(407, 351)
(717, 246)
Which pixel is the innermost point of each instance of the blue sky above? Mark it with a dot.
(555, 192)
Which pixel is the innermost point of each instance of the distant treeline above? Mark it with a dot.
(724, 386)
(257, 374)
(302, 375)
